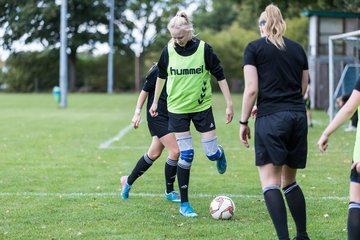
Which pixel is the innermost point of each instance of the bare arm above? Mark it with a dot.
(158, 88)
(249, 98)
(344, 114)
(229, 105)
(139, 104)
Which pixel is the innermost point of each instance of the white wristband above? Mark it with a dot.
(138, 110)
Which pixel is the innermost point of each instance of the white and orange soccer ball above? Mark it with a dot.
(222, 207)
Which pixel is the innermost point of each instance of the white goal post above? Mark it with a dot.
(332, 38)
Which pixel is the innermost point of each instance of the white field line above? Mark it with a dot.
(122, 133)
(114, 194)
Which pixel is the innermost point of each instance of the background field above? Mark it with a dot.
(57, 183)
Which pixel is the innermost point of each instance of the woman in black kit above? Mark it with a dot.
(276, 78)
(161, 138)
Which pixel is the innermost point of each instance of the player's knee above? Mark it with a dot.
(153, 155)
(186, 148)
(187, 155)
(174, 154)
(288, 182)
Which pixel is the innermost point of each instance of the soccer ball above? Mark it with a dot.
(222, 207)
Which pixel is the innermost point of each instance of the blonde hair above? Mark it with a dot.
(182, 22)
(275, 25)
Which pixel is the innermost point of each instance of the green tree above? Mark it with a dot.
(297, 29)
(32, 71)
(39, 72)
(39, 22)
(215, 15)
(229, 45)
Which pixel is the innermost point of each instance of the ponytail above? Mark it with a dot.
(275, 26)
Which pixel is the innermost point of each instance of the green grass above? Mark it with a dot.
(56, 183)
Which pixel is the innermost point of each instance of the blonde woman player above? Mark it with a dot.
(276, 78)
(188, 63)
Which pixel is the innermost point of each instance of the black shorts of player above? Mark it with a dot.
(354, 175)
(203, 121)
(281, 139)
(158, 126)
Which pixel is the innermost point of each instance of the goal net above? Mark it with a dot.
(350, 73)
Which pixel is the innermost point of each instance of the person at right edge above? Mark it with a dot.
(352, 105)
(276, 78)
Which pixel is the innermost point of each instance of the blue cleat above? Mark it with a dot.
(125, 188)
(187, 211)
(221, 162)
(173, 196)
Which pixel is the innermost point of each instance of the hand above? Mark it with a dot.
(136, 120)
(244, 135)
(339, 102)
(229, 114)
(253, 112)
(153, 110)
(306, 96)
(323, 143)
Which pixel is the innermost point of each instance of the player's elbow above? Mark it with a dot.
(250, 93)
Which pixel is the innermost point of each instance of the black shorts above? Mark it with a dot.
(158, 126)
(203, 121)
(354, 175)
(281, 139)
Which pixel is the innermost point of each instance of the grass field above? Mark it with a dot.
(60, 171)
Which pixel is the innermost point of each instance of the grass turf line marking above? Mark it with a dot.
(122, 133)
(117, 194)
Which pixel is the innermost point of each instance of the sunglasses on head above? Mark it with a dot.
(262, 23)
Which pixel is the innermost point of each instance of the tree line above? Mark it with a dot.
(139, 36)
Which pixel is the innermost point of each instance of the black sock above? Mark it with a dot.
(354, 221)
(183, 176)
(141, 166)
(277, 210)
(296, 203)
(170, 174)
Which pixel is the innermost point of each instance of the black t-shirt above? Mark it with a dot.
(149, 86)
(279, 75)
(346, 96)
(357, 85)
(212, 62)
